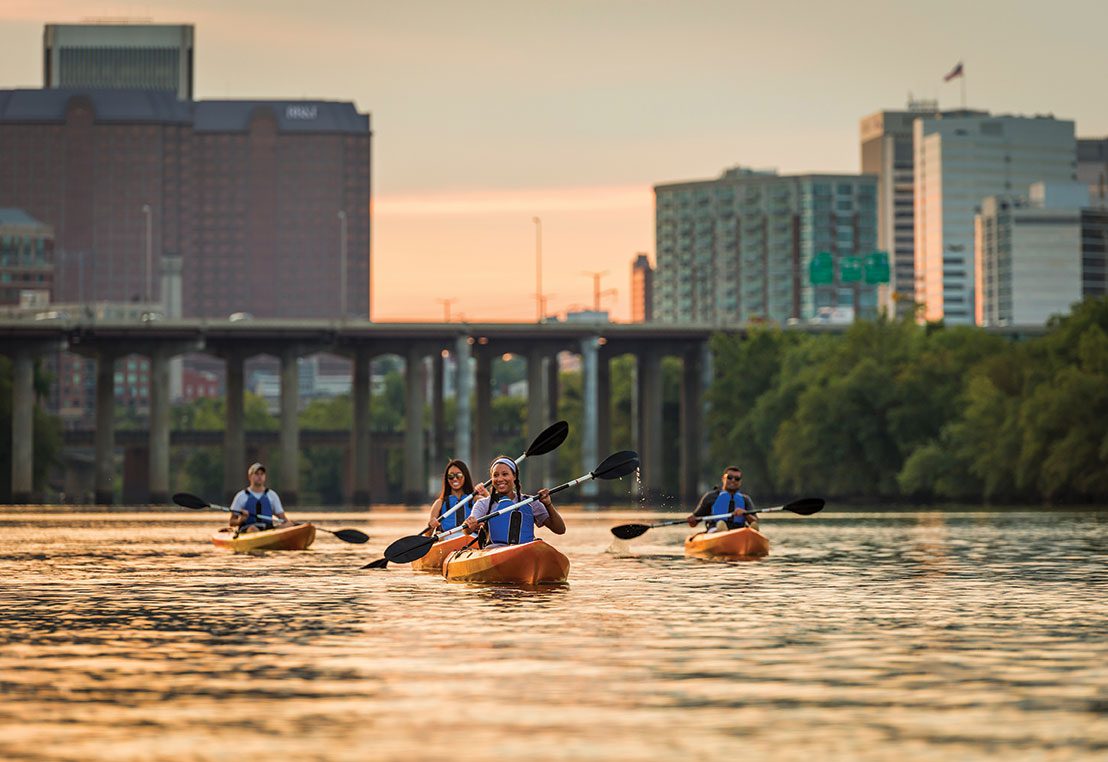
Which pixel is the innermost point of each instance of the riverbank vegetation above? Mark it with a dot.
(892, 410)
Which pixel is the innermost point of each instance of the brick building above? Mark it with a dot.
(253, 197)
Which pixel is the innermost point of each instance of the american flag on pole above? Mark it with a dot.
(954, 73)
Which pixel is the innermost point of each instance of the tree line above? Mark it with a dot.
(892, 410)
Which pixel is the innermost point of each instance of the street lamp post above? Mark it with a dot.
(538, 270)
(149, 213)
(342, 263)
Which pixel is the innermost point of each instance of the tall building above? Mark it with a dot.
(740, 248)
(1094, 251)
(886, 151)
(242, 198)
(959, 160)
(1092, 168)
(114, 56)
(642, 290)
(1028, 254)
(26, 260)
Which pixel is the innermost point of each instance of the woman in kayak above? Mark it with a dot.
(517, 526)
(726, 500)
(456, 485)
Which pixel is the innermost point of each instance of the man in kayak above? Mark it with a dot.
(257, 507)
(517, 526)
(726, 500)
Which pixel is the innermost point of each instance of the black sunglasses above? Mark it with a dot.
(454, 476)
(732, 478)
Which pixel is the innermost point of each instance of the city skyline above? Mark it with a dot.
(488, 115)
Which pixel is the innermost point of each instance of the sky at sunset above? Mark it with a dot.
(489, 113)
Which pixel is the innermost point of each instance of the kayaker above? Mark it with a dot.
(257, 507)
(456, 485)
(517, 526)
(726, 499)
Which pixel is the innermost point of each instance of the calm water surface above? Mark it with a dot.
(862, 636)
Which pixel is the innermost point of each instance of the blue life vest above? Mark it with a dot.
(457, 517)
(514, 527)
(258, 510)
(723, 505)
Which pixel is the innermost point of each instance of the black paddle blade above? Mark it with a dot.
(380, 563)
(187, 500)
(408, 549)
(806, 506)
(351, 535)
(630, 531)
(549, 439)
(616, 465)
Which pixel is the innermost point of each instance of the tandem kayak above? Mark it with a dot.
(532, 563)
(743, 542)
(439, 551)
(296, 537)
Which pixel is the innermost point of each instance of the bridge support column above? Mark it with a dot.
(158, 474)
(104, 439)
(234, 435)
(463, 420)
(589, 405)
(537, 409)
(438, 414)
(23, 427)
(604, 416)
(415, 466)
(290, 427)
(552, 390)
(359, 434)
(691, 429)
(483, 425)
(650, 422)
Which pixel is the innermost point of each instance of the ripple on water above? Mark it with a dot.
(861, 636)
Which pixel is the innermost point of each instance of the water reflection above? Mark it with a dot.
(861, 636)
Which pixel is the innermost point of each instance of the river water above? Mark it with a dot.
(864, 635)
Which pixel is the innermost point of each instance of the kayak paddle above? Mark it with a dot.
(413, 547)
(186, 500)
(549, 439)
(804, 507)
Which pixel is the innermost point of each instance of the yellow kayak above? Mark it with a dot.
(531, 563)
(743, 542)
(432, 562)
(296, 537)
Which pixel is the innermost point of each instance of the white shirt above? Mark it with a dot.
(538, 510)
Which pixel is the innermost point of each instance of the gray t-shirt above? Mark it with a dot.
(538, 510)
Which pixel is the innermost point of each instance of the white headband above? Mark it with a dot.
(509, 463)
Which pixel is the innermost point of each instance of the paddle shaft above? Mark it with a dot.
(716, 516)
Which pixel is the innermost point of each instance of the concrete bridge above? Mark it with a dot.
(234, 342)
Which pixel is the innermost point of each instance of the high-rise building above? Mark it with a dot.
(886, 151)
(26, 260)
(1028, 254)
(249, 200)
(1094, 251)
(1092, 168)
(642, 290)
(740, 248)
(959, 160)
(114, 56)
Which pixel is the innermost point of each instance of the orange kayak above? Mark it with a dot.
(733, 543)
(532, 563)
(432, 562)
(297, 537)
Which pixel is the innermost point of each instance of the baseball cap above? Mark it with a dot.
(256, 467)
